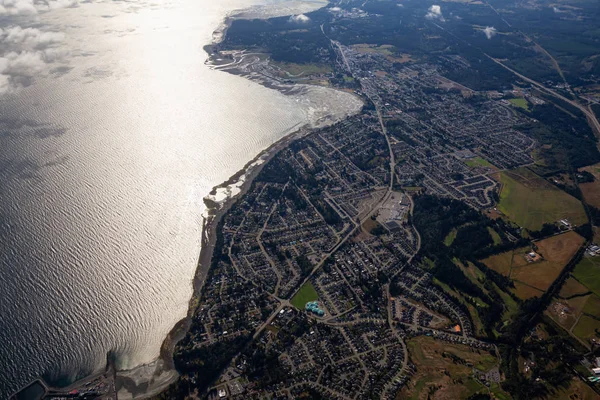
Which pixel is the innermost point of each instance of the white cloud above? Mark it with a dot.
(55, 4)
(556, 9)
(19, 69)
(489, 31)
(31, 7)
(335, 9)
(299, 19)
(25, 64)
(29, 38)
(25, 53)
(17, 7)
(435, 12)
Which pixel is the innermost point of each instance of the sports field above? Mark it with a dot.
(479, 162)
(521, 103)
(530, 201)
(306, 293)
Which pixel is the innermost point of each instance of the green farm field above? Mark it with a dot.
(586, 327)
(587, 272)
(530, 201)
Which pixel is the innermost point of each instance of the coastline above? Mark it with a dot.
(162, 372)
(215, 211)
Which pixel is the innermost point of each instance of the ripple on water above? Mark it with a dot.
(102, 178)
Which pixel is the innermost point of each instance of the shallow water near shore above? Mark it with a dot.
(103, 166)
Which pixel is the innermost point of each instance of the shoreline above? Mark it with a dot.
(214, 212)
(150, 379)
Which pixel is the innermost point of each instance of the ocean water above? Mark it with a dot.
(109, 140)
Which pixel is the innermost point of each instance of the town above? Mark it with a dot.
(302, 276)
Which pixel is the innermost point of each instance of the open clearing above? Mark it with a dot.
(386, 50)
(479, 162)
(556, 252)
(504, 262)
(587, 272)
(457, 382)
(534, 278)
(592, 306)
(297, 70)
(495, 236)
(306, 293)
(530, 201)
(449, 239)
(572, 287)
(521, 103)
(578, 310)
(586, 328)
(578, 390)
(525, 292)
(591, 190)
(566, 312)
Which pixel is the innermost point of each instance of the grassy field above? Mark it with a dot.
(477, 324)
(476, 276)
(576, 308)
(586, 328)
(526, 292)
(503, 262)
(532, 279)
(530, 201)
(591, 190)
(478, 162)
(471, 271)
(430, 357)
(592, 306)
(495, 236)
(306, 293)
(521, 103)
(566, 312)
(571, 288)
(577, 390)
(512, 307)
(388, 51)
(302, 69)
(371, 225)
(364, 48)
(587, 272)
(449, 239)
(556, 251)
